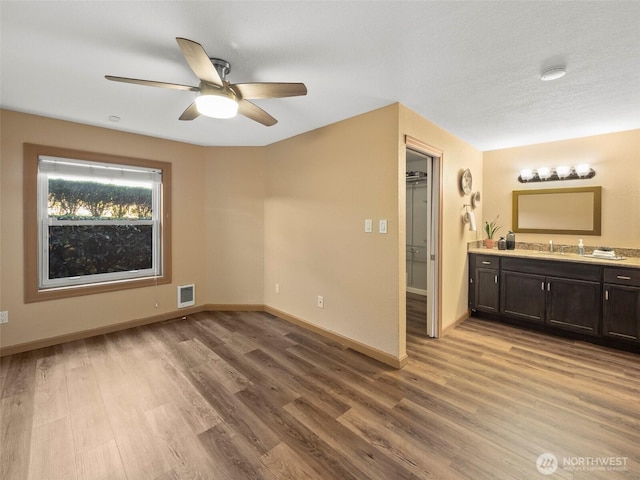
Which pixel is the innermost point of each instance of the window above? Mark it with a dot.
(97, 223)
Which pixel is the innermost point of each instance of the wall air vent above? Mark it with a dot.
(186, 295)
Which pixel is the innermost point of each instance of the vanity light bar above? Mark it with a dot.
(563, 172)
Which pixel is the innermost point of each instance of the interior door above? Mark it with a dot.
(423, 235)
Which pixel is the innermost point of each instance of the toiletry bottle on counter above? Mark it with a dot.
(511, 240)
(502, 244)
(580, 247)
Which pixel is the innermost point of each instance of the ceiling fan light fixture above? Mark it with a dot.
(216, 105)
(217, 97)
(553, 74)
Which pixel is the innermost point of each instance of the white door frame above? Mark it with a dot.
(434, 219)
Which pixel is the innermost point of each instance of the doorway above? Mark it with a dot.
(418, 167)
(422, 220)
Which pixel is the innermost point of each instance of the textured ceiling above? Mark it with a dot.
(471, 67)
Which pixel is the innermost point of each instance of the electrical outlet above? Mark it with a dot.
(4, 317)
(382, 226)
(277, 288)
(320, 301)
(368, 225)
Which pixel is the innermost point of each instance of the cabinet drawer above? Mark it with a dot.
(622, 276)
(554, 268)
(487, 261)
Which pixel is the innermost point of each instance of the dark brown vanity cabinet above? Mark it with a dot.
(484, 286)
(621, 313)
(574, 304)
(560, 294)
(523, 295)
(555, 294)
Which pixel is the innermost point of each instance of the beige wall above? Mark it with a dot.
(35, 321)
(245, 219)
(615, 158)
(457, 156)
(293, 213)
(235, 190)
(321, 186)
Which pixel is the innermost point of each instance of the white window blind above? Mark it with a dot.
(103, 171)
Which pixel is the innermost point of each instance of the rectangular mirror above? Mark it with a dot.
(570, 211)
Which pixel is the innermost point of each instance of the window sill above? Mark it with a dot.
(43, 295)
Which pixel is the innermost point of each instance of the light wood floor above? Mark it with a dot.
(246, 395)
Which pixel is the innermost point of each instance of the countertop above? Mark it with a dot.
(629, 262)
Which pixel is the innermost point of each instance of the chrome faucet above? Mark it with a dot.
(550, 246)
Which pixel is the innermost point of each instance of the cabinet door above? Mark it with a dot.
(523, 295)
(621, 317)
(574, 304)
(486, 290)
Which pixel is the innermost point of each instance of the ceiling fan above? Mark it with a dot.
(216, 96)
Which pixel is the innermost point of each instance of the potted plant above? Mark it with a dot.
(491, 228)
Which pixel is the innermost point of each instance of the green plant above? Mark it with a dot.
(491, 228)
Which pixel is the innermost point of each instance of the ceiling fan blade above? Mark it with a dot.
(152, 83)
(254, 112)
(199, 61)
(269, 90)
(190, 113)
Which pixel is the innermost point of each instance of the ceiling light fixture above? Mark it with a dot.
(217, 101)
(553, 73)
(217, 105)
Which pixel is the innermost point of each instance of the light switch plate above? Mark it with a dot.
(382, 226)
(368, 225)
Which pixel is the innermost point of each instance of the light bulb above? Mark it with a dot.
(544, 172)
(526, 174)
(563, 171)
(216, 106)
(583, 169)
